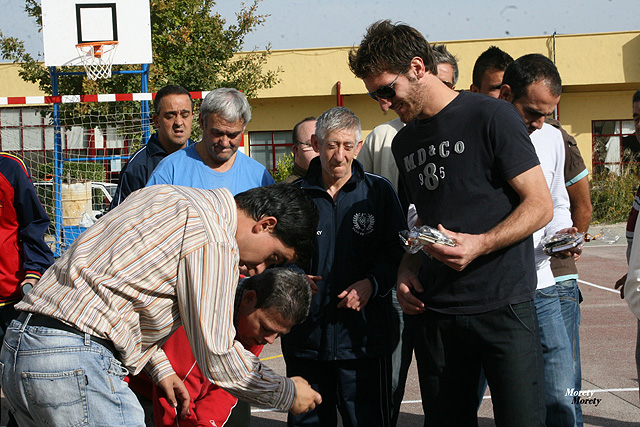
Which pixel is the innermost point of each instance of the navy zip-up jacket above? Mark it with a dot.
(357, 239)
(138, 169)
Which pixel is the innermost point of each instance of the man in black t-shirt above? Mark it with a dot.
(469, 167)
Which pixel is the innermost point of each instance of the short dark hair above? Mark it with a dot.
(283, 290)
(493, 58)
(636, 97)
(169, 90)
(443, 56)
(295, 211)
(388, 47)
(529, 69)
(296, 140)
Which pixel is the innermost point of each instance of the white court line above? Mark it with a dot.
(609, 390)
(615, 291)
(606, 390)
(405, 402)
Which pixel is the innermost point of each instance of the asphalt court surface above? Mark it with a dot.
(607, 336)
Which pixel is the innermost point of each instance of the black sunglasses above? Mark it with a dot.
(384, 92)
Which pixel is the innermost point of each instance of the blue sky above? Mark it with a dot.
(327, 23)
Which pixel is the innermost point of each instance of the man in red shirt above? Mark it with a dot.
(267, 305)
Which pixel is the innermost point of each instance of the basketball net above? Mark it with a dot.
(97, 58)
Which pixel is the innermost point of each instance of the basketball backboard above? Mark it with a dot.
(66, 23)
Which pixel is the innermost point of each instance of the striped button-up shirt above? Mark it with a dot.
(166, 256)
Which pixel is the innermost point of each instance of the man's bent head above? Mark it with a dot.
(295, 215)
(272, 303)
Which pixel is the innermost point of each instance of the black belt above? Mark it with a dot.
(50, 322)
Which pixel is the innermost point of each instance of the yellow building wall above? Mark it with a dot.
(578, 110)
(600, 72)
(12, 85)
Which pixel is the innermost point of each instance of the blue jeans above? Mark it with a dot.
(558, 360)
(570, 299)
(54, 377)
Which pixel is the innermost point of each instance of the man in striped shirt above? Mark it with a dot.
(167, 256)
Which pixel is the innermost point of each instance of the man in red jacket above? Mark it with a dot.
(23, 223)
(267, 305)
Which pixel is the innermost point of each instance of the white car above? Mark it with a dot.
(101, 195)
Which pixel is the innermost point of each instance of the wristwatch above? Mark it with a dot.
(26, 288)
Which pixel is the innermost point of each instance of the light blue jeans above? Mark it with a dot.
(558, 360)
(54, 377)
(570, 299)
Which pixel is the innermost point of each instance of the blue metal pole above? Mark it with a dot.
(144, 107)
(57, 162)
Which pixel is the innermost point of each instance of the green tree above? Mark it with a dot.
(192, 46)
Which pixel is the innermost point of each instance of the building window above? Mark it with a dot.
(614, 146)
(266, 147)
(24, 129)
(29, 133)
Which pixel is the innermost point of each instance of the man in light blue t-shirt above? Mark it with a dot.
(215, 161)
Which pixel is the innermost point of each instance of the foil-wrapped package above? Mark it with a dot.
(561, 242)
(415, 239)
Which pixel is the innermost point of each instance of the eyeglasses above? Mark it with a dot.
(304, 146)
(448, 84)
(384, 92)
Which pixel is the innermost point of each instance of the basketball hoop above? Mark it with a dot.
(97, 58)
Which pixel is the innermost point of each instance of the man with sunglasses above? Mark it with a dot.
(376, 157)
(303, 151)
(468, 165)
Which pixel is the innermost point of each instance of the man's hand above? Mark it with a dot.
(176, 394)
(620, 285)
(306, 398)
(574, 252)
(408, 281)
(312, 280)
(468, 247)
(357, 295)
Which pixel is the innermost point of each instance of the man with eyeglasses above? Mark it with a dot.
(343, 347)
(469, 167)
(303, 152)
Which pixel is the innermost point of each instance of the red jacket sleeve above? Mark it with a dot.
(209, 403)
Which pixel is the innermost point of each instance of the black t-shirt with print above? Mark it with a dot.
(456, 166)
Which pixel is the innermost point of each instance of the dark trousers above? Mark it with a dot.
(360, 389)
(451, 349)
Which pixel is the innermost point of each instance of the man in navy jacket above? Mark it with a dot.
(173, 116)
(344, 345)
